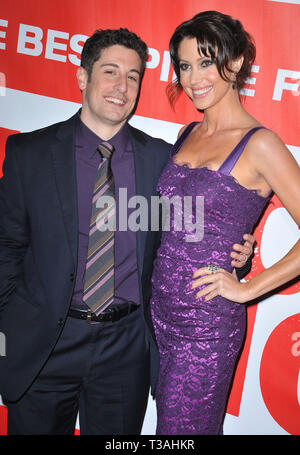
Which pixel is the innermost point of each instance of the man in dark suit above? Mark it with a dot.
(63, 353)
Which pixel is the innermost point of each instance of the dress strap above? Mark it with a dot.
(232, 158)
(182, 138)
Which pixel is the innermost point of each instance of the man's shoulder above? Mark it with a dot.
(146, 139)
(41, 135)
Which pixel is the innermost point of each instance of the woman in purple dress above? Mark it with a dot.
(234, 164)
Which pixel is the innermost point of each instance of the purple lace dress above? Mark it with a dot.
(199, 342)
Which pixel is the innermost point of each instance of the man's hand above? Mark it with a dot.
(242, 253)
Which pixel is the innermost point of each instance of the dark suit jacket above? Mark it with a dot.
(38, 244)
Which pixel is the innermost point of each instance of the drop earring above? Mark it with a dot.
(234, 82)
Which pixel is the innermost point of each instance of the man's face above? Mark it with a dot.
(110, 95)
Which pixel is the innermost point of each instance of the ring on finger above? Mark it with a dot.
(213, 268)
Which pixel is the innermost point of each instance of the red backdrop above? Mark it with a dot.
(40, 45)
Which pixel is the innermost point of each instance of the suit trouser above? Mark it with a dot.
(100, 370)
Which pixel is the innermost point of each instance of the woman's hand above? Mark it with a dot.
(220, 282)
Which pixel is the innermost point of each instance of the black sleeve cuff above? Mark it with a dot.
(243, 271)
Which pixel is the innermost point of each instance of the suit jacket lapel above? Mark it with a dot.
(63, 154)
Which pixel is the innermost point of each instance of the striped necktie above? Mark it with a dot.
(98, 286)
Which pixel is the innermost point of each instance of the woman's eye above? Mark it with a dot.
(206, 63)
(184, 66)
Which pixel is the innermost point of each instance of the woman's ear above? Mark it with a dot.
(236, 64)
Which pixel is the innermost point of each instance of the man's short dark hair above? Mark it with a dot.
(102, 39)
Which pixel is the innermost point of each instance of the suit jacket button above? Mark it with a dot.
(60, 322)
(71, 276)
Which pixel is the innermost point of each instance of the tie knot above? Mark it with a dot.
(106, 149)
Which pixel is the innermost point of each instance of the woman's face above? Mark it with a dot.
(199, 76)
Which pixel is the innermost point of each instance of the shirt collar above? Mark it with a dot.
(84, 136)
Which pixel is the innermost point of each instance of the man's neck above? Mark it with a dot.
(104, 130)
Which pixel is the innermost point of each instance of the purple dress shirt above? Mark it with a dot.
(87, 160)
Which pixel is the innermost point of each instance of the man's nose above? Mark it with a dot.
(122, 84)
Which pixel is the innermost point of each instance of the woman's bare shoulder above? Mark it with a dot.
(265, 140)
(184, 127)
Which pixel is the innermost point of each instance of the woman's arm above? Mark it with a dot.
(281, 173)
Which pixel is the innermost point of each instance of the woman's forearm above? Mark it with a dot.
(283, 271)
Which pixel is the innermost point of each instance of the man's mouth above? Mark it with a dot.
(113, 100)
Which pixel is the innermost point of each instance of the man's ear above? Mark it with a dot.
(82, 78)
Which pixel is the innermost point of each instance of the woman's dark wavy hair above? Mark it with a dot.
(219, 37)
